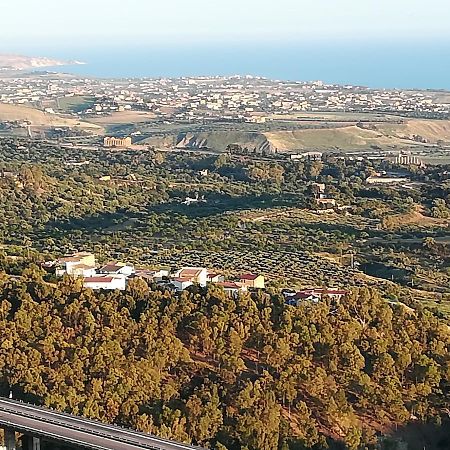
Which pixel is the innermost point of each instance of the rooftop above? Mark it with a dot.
(248, 276)
(190, 272)
(99, 279)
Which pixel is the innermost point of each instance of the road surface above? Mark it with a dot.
(52, 425)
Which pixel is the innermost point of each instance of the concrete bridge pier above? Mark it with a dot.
(31, 442)
(36, 443)
(10, 439)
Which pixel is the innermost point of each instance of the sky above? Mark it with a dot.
(65, 22)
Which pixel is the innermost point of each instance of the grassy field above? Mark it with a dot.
(124, 117)
(386, 135)
(75, 104)
(336, 116)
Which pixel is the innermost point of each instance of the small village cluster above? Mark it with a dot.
(115, 275)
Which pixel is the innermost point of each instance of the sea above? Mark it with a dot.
(403, 65)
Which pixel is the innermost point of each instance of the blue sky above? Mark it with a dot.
(63, 21)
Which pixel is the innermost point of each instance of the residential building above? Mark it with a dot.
(326, 202)
(106, 282)
(197, 275)
(231, 288)
(77, 264)
(335, 294)
(215, 278)
(82, 270)
(298, 297)
(152, 275)
(252, 281)
(117, 268)
(181, 283)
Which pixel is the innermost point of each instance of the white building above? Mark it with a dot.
(152, 275)
(80, 264)
(231, 288)
(181, 283)
(107, 282)
(117, 268)
(386, 180)
(197, 275)
(215, 278)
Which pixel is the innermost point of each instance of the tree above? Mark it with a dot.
(429, 243)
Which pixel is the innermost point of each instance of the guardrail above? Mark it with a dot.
(115, 433)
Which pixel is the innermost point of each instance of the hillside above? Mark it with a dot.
(350, 137)
(37, 118)
(220, 140)
(353, 136)
(123, 118)
(214, 140)
(432, 131)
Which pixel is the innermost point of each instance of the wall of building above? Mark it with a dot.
(116, 283)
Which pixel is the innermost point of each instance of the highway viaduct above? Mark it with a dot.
(37, 423)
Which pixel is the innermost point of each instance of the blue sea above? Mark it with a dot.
(422, 65)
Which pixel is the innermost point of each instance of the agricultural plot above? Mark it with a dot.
(288, 268)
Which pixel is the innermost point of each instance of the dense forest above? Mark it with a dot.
(226, 373)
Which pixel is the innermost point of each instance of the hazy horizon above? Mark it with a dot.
(404, 44)
(45, 21)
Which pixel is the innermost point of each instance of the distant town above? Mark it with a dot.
(249, 99)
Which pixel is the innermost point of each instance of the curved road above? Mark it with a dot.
(52, 425)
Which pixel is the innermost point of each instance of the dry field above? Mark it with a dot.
(37, 118)
(124, 117)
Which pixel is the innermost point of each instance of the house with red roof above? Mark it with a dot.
(106, 282)
(231, 288)
(197, 275)
(252, 281)
(215, 278)
(117, 268)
